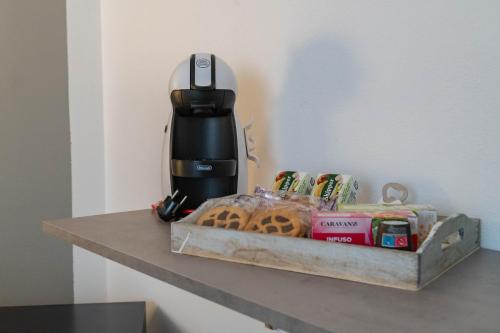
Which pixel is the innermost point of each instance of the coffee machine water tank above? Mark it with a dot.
(204, 150)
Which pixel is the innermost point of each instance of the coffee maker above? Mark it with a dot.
(205, 149)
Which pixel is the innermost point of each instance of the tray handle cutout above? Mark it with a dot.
(449, 242)
(450, 233)
(453, 238)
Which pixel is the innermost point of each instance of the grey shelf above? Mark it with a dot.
(465, 299)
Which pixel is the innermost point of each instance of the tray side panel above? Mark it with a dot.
(398, 269)
(437, 254)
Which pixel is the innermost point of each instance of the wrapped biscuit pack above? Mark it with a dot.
(335, 189)
(258, 214)
(302, 199)
(229, 212)
(281, 218)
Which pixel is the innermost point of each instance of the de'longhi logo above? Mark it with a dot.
(204, 167)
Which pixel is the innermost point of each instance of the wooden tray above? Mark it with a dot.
(450, 241)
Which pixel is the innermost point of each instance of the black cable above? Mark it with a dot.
(167, 209)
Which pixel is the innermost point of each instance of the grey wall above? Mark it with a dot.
(35, 175)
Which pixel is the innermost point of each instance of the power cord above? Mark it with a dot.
(167, 209)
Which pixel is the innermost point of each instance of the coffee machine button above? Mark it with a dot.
(202, 62)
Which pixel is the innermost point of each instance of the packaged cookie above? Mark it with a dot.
(280, 218)
(293, 181)
(228, 213)
(334, 189)
(264, 193)
(257, 214)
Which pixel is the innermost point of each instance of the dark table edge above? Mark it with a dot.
(59, 304)
(259, 312)
(74, 306)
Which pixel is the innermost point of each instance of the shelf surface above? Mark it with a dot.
(464, 299)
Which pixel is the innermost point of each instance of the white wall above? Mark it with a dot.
(388, 91)
(395, 91)
(87, 138)
(173, 310)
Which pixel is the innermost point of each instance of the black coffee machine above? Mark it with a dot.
(205, 153)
